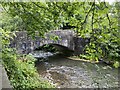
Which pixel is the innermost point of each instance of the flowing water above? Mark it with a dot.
(68, 73)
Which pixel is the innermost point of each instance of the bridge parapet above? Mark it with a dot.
(24, 44)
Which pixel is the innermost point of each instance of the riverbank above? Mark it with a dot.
(92, 61)
(84, 60)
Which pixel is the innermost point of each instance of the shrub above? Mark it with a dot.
(22, 72)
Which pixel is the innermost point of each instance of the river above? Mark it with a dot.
(64, 72)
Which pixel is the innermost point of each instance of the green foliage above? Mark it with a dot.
(116, 64)
(20, 69)
(22, 72)
(6, 36)
(11, 23)
(95, 20)
(36, 16)
(104, 37)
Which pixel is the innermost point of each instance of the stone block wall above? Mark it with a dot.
(25, 44)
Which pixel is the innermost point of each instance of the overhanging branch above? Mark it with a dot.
(86, 17)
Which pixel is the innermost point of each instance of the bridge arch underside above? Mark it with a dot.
(52, 47)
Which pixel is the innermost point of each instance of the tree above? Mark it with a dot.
(95, 20)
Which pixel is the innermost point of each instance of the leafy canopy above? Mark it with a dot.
(95, 20)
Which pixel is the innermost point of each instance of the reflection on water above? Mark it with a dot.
(67, 73)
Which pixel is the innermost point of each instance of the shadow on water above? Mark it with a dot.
(67, 73)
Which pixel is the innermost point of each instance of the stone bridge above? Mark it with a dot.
(25, 44)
